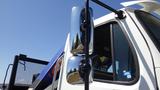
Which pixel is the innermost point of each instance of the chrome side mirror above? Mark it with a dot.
(77, 33)
(73, 74)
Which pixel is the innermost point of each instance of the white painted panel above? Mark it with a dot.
(158, 76)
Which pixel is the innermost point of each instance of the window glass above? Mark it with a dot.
(112, 59)
(151, 24)
(123, 57)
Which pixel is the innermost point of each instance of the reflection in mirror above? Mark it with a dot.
(77, 31)
(73, 75)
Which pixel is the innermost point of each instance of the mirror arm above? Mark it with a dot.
(85, 68)
(84, 71)
(119, 13)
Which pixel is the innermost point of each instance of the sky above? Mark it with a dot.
(37, 28)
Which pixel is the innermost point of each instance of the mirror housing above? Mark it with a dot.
(73, 70)
(77, 31)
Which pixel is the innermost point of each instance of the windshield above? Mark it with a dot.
(151, 24)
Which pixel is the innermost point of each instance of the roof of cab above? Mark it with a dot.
(147, 5)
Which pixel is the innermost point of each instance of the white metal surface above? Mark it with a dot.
(158, 75)
(154, 51)
(104, 19)
(146, 63)
(148, 5)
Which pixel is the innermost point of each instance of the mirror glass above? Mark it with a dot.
(73, 75)
(77, 31)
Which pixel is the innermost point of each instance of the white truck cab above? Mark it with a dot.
(123, 53)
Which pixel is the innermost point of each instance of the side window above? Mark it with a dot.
(122, 56)
(113, 59)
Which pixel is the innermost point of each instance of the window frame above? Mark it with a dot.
(132, 49)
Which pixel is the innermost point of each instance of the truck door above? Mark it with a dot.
(115, 64)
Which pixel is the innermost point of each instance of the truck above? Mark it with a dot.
(118, 51)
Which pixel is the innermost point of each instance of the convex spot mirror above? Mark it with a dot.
(73, 70)
(77, 31)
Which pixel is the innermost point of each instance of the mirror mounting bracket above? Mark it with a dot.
(84, 69)
(120, 13)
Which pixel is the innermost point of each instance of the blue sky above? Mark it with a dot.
(37, 28)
